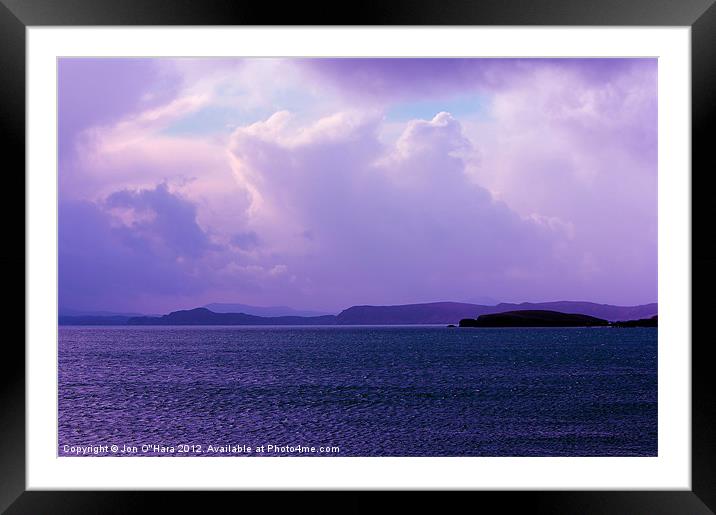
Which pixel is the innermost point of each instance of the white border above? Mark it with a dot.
(670, 470)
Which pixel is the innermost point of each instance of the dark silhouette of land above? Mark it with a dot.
(642, 322)
(263, 311)
(545, 318)
(533, 318)
(408, 314)
(452, 312)
(202, 316)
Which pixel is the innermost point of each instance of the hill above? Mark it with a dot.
(261, 311)
(406, 314)
(533, 318)
(203, 316)
(451, 312)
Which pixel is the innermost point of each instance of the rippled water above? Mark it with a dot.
(370, 391)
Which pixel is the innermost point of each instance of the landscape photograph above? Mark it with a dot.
(357, 257)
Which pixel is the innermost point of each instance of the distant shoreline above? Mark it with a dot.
(334, 326)
(436, 313)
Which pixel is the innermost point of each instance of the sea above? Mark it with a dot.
(356, 391)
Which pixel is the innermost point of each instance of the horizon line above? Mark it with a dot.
(339, 310)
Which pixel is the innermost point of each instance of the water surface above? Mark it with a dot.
(370, 391)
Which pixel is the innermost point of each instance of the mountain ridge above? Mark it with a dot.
(204, 316)
(451, 312)
(401, 314)
(262, 311)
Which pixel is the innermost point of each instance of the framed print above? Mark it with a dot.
(438, 249)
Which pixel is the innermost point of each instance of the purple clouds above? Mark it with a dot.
(158, 216)
(308, 191)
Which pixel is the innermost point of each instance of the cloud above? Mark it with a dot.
(162, 217)
(309, 191)
(580, 146)
(102, 264)
(387, 223)
(144, 250)
(95, 92)
(246, 240)
(398, 79)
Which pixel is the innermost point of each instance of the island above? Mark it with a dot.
(642, 322)
(533, 318)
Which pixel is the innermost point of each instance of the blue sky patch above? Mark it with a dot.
(427, 109)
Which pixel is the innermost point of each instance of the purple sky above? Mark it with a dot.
(324, 183)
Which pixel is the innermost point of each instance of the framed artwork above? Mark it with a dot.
(421, 248)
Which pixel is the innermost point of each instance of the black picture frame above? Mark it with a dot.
(700, 15)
